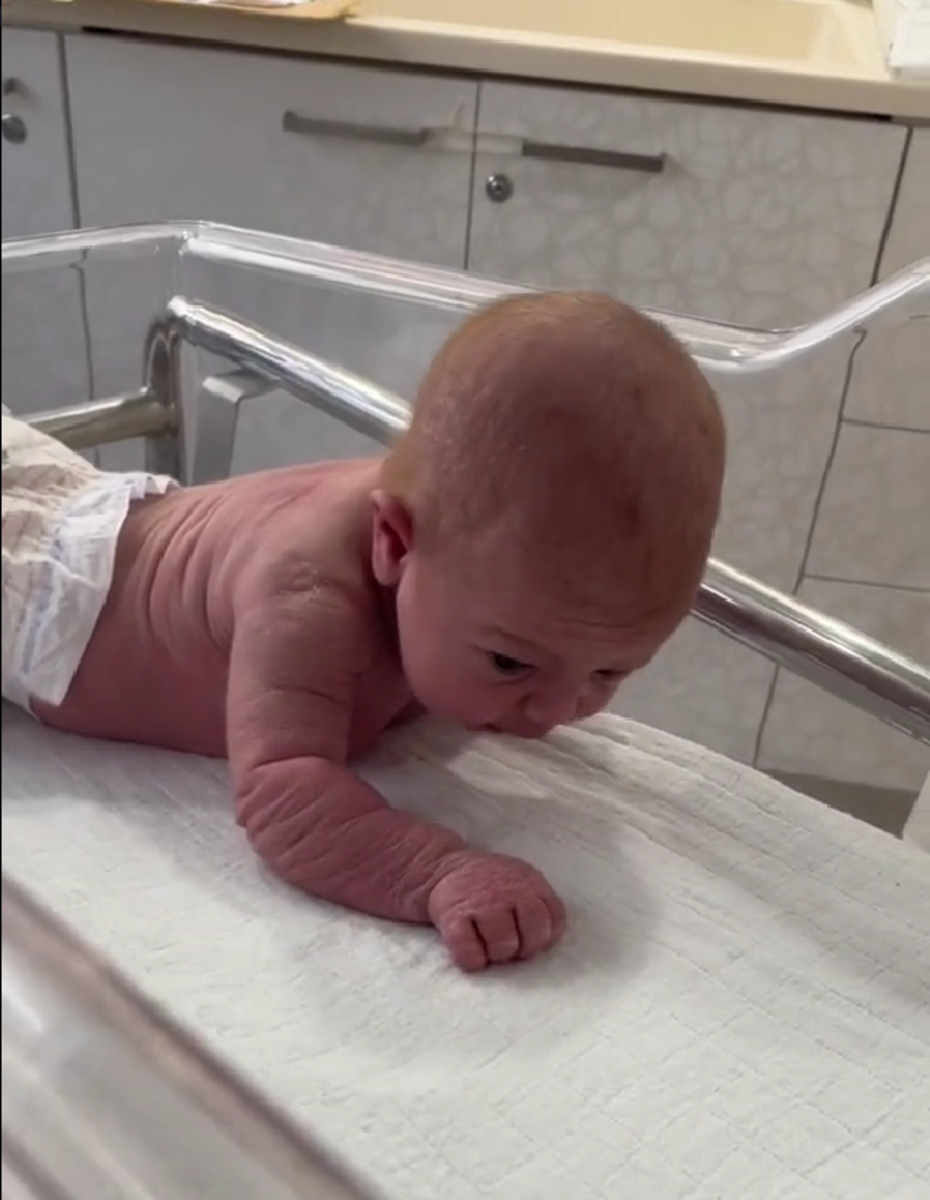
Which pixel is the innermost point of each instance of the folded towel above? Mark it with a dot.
(741, 1006)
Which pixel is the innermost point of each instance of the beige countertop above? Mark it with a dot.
(822, 54)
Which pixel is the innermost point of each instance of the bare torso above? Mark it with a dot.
(244, 621)
(157, 666)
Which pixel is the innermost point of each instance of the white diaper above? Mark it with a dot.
(61, 520)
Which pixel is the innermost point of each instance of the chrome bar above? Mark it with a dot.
(98, 422)
(726, 348)
(820, 649)
(104, 1096)
(349, 398)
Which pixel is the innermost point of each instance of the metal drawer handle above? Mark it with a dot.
(589, 156)
(13, 129)
(398, 135)
(385, 135)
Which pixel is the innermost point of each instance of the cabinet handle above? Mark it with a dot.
(13, 129)
(589, 156)
(385, 135)
(399, 135)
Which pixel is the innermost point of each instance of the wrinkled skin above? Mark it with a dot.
(284, 620)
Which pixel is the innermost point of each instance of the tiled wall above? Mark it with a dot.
(869, 557)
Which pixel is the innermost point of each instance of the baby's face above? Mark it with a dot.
(490, 654)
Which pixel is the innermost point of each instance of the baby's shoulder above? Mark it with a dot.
(314, 538)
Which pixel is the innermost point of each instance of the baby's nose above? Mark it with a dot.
(550, 707)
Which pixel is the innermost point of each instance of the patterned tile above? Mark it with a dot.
(808, 731)
(889, 384)
(872, 524)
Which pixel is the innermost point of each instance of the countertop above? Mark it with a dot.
(821, 54)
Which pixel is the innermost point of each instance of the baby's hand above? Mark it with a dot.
(492, 909)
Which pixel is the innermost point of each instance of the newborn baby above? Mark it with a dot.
(533, 540)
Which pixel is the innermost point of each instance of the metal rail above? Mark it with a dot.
(99, 422)
(727, 349)
(827, 652)
(105, 1096)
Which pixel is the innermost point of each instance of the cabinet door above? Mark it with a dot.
(736, 214)
(317, 150)
(36, 183)
(44, 351)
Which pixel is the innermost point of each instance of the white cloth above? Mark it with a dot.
(61, 521)
(741, 1007)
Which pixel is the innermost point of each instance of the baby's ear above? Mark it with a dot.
(392, 537)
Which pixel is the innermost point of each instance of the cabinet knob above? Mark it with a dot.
(13, 129)
(499, 187)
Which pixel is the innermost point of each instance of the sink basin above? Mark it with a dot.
(756, 29)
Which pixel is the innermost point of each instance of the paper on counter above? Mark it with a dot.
(319, 10)
(904, 29)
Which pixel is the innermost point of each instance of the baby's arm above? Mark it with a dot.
(326, 831)
(315, 822)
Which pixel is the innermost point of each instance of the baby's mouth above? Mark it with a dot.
(528, 734)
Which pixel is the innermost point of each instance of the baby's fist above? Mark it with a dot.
(492, 909)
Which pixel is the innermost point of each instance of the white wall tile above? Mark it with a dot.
(704, 688)
(810, 732)
(891, 381)
(874, 519)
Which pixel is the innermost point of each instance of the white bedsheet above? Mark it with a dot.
(741, 1009)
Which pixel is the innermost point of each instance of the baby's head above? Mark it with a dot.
(546, 521)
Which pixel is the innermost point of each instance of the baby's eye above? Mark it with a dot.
(608, 676)
(505, 665)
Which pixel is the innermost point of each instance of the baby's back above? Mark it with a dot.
(156, 668)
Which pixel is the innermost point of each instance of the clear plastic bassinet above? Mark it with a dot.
(208, 351)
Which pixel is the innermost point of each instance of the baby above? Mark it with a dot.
(533, 540)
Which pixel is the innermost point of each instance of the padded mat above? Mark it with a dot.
(741, 1006)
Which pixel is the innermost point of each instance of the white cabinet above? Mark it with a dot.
(36, 163)
(331, 152)
(737, 214)
(43, 331)
(296, 146)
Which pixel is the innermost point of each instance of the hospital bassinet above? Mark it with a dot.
(190, 333)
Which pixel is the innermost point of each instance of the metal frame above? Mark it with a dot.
(727, 349)
(821, 649)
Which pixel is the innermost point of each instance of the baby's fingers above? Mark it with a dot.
(464, 943)
(540, 926)
(499, 929)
